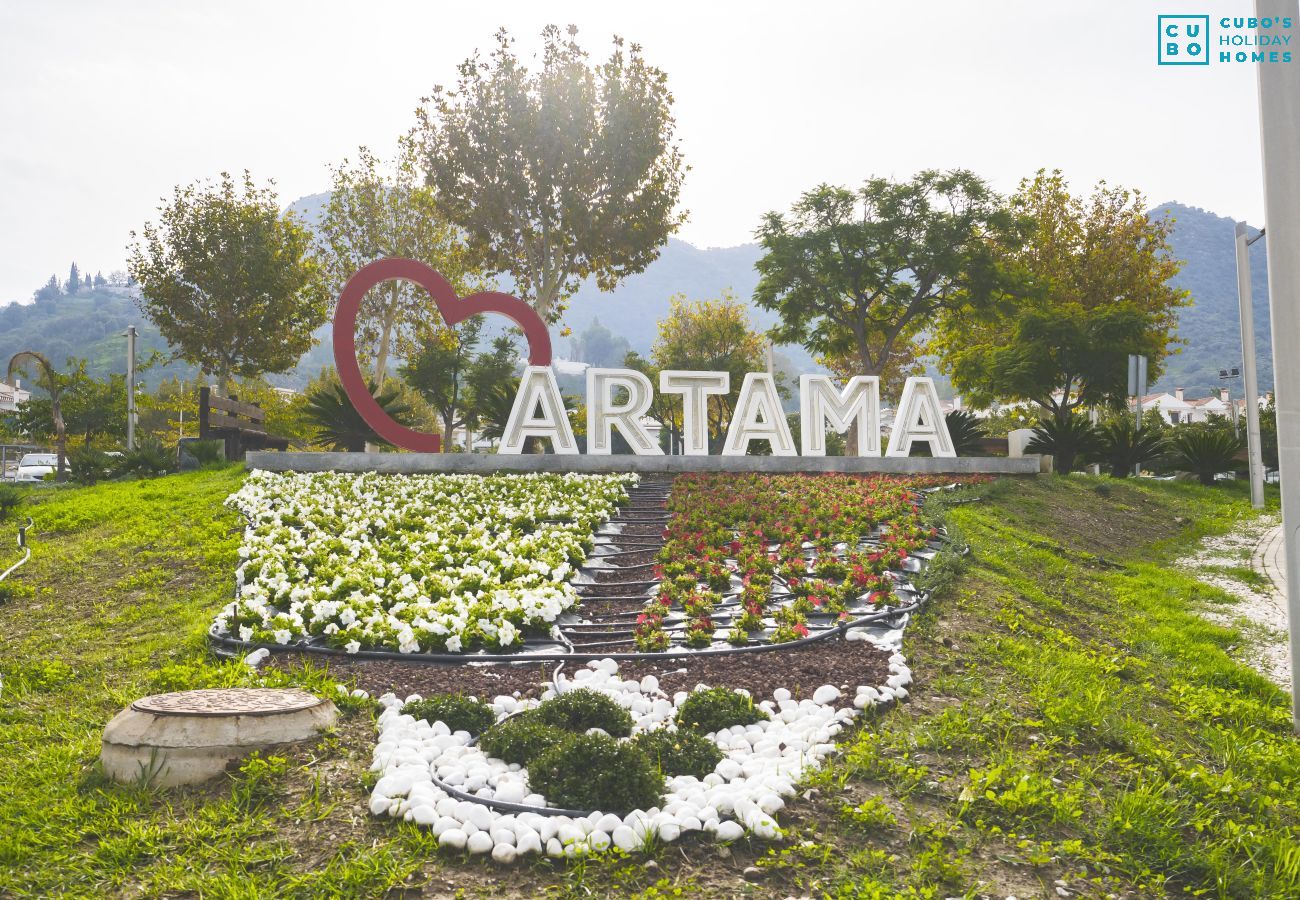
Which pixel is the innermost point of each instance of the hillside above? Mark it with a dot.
(89, 324)
(1210, 326)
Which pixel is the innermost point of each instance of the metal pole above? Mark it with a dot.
(1254, 451)
(1279, 125)
(130, 387)
(1142, 392)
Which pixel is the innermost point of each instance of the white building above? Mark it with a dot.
(1177, 409)
(12, 396)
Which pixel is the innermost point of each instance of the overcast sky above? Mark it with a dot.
(105, 106)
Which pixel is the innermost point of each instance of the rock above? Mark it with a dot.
(454, 838)
(729, 831)
(626, 839)
(780, 694)
(826, 694)
(753, 873)
(504, 853)
(479, 842)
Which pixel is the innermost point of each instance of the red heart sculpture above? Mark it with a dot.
(453, 310)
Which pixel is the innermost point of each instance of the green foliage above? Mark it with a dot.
(521, 738)
(713, 709)
(337, 423)
(11, 498)
(456, 711)
(206, 453)
(559, 174)
(87, 465)
(679, 752)
(440, 372)
(1205, 451)
(1096, 287)
(856, 274)
(579, 709)
(148, 459)
(230, 280)
(595, 771)
(377, 211)
(967, 430)
(1069, 441)
(1121, 447)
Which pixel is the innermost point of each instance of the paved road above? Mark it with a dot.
(1270, 558)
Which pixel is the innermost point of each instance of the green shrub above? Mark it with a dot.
(1121, 447)
(679, 752)
(149, 458)
(206, 453)
(1205, 452)
(521, 739)
(10, 499)
(456, 711)
(86, 465)
(714, 709)
(580, 709)
(593, 771)
(1067, 441)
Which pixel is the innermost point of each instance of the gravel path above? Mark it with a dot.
(1260, 542)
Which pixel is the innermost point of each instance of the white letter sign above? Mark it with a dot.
(758, 417)
(603, 413)
(820, 402)
(920, 418)
(694, 388)
(538, 388)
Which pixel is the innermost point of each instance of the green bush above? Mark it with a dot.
(593, 771)
(1121, 447)
(1205, 452)
(714, 709)
(521, 739)
(149, 458)
(206, 453)
(580, 709)
(679, 752)
(86, 465)
(1067, 442)
(456, 711)
(10, 499)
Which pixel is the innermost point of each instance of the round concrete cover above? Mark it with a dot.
(190, 736)
(228, 702)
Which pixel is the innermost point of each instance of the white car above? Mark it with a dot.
(35, 466)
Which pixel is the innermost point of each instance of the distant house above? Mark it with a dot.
(12, 396)
(1176, 409)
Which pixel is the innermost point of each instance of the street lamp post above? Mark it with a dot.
(1254, 453)
(130, 386)
(1279, 126)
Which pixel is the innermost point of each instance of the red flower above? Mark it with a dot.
(801, 629)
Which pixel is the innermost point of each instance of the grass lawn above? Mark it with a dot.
(1074, 724)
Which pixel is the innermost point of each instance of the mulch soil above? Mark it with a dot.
(801, 670)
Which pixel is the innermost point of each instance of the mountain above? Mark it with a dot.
(1210, 328)
(89, 324)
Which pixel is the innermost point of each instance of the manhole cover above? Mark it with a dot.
(227, 702)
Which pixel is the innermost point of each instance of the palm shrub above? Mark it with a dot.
(336, 421)
(966, 430)
(10, 499)
(1067, 440)
(1121, 447)
(149, 458)
(1205, 452)
(86, 465)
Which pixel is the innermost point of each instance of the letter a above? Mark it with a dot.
(920, 418)
(538, 389)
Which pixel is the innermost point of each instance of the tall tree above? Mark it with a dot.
(376, 211)
(100, 280)
(857, 274)
(493, 382)
(714, 336)
(54, 384)
(230, 280)
(74, 280)
(50, 291)
(1098, 270)
(598, 346)
(556, 175)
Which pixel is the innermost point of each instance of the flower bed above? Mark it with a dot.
(412, 563)
(751, 558)
(762, 762)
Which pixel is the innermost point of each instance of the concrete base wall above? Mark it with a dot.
(488, 463)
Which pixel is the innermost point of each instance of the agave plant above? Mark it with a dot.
(1205, 452)
(1067, 440)
(338, 424)
(966, 430)
(1122, 447)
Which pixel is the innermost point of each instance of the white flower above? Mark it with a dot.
(352, 646)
